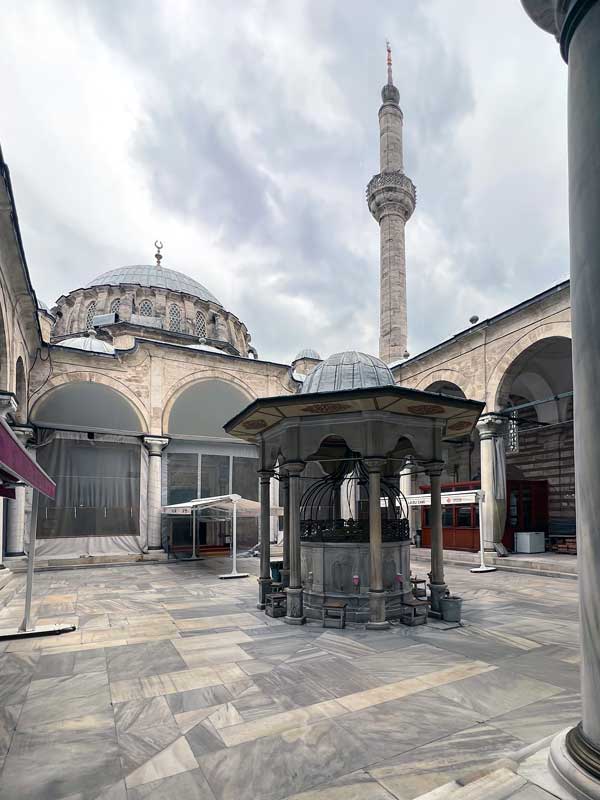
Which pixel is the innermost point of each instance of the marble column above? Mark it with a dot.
(284, 496)
(15, 523)
(437, 585)
(575, 755)
(295, 605)
(155, 445)
(491, 428)
(407, 480)
(377, 620)
(264, 580)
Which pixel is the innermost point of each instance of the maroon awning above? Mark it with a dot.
(17, 466)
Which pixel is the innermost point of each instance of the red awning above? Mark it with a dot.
(17, 466)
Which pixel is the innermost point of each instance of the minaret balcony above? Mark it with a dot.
(391, 193)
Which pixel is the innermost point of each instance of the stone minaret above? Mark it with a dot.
(391, 197)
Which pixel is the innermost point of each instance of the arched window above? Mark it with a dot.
(200, 324)
(115, 305)
(89, 317)
(174, 317)
(145, 308)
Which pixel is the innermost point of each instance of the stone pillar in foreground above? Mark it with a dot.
(284, 497)
(15, 525)
(437, 585)
(575, 755)
(295, 604)
(491, 428)
(264, 580)
(377, 620)
(155, 445)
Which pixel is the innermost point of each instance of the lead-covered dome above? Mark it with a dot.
(348, 370)
(154, 277)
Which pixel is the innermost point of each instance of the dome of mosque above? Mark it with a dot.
(307, 353)
(155, 277)
(89, 343)
(348, 370)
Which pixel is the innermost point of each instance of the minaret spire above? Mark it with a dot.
(391, 197)
(388, 47)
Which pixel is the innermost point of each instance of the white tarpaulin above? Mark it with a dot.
(224, 502)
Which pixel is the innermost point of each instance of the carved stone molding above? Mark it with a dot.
(391, 193)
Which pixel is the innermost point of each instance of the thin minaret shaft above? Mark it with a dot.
(391, 197)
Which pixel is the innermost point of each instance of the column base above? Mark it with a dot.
(378, 626)
(295, 607)
(377, 620)
(15, 555)
(264, 588)
(582, 782)
(437, 592)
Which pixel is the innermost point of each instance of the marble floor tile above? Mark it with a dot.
(542, 666)
(204, 738)
(397, 726)
(59, 759)
(424, 768)
(144, 728)
(8, 722)
(198, 698)
(140, 660)
(241, 620)
(278, 723)
(174, 759)
(497, 692)
(277, 766)
(537, 720)
(355, 786)
(190, 785)
(413, 662)
(209, 641)
(52, 699)
(216, 655)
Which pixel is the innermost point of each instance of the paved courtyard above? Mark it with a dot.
(175, 686)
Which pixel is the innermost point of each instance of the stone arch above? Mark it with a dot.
(200, 407)
(4, 370)
(21, 390)
(550, 330)
(448, 388)
(444, 376)
(119, 387)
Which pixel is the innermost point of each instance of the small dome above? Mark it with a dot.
(156, 277)
(89, 343)
(307, 353)
(349, 370)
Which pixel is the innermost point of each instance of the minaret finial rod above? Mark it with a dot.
(388, 47)
(158, 255)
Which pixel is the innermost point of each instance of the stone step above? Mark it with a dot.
(498, 784)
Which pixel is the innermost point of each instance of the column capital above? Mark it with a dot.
(491, 426)
(561, 18)
(434, 468)
(294, 468)
(24, 433)
(155, 444)
(265, 475)
(374, 464)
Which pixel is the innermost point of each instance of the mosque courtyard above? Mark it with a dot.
(175, 686)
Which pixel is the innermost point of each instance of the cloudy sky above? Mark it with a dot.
(243, 133)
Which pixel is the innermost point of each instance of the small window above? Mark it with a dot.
(447, 517)
(200, 324)
(174, 317)
(91, 313)
(463, 517)
(145, 308)
(115, 305)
